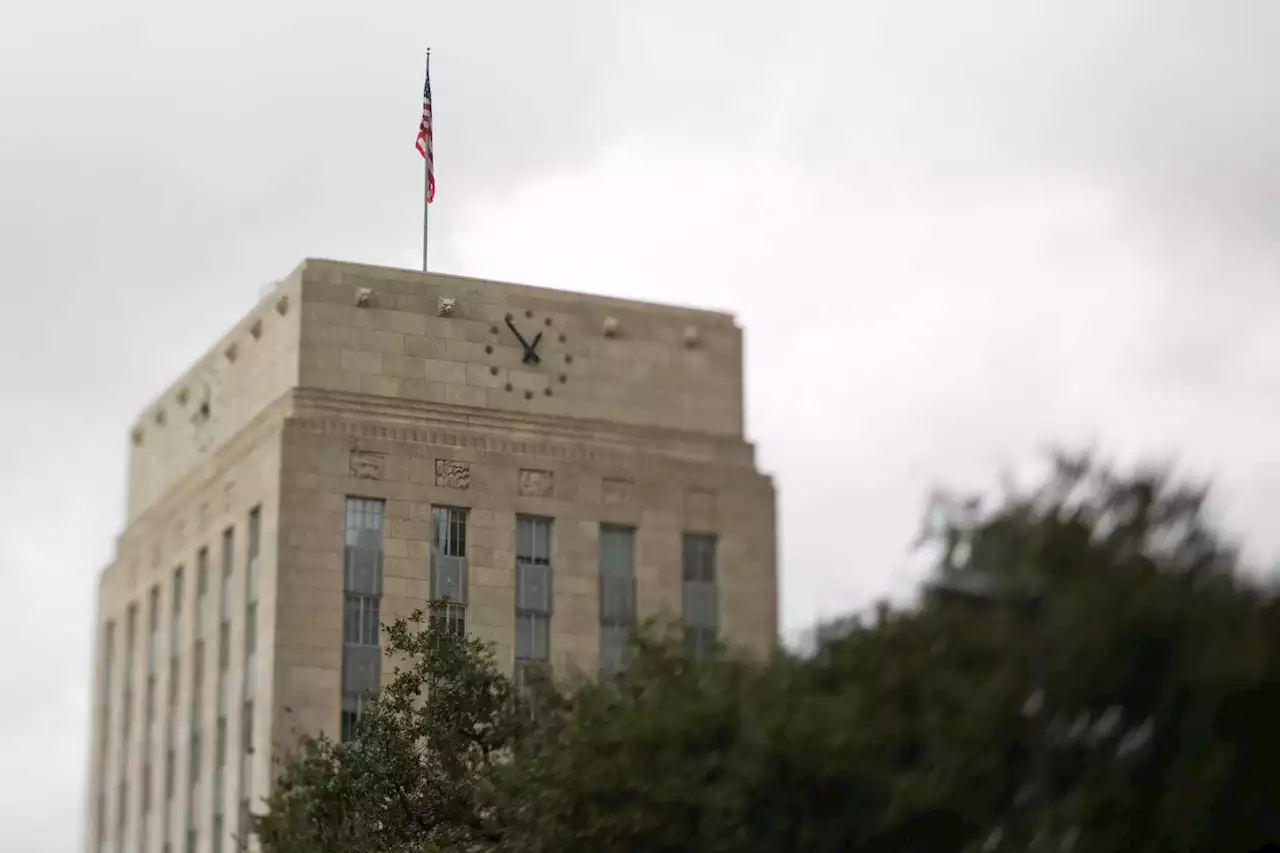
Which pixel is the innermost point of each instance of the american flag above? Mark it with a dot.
(424, 139)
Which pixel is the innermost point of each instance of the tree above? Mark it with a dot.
(419, 775)
(1150, 639)
(1152, 660)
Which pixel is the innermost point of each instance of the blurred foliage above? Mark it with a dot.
(1157, 663)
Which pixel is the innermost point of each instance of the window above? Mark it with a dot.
(219, 790)
(153, 630)
(149, 704)
(217, 833)
(250, 665)
(617, 595)
(251, 603)
(197, 681)
(224, 678)
(360, 620)
(450, 530)
(228, 566)
(242, 825)
(533, 589)
(175, 622)
(104, 724)
(126, 705)
(224, 646)
(449, 566)
(170, 764)
(353, 705)
(246, 727)
(255, 546)
(202, 589)
(701, 604)
(174, 676)
(101, 811)
(193, 760)
(122, 809)
(362, 596)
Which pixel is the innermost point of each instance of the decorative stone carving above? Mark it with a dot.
(445, 306)
(616, 490)
(367, 464)
(536, 484)
(610, 327)
(363, 295)
(453, 475)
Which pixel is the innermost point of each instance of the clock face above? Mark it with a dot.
(541, 351)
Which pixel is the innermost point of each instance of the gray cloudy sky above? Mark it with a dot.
(954, 231)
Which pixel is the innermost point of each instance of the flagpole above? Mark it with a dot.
(426, 183)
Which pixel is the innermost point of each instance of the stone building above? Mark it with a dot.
(366, 439)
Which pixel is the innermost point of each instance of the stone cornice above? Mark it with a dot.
(569, 439)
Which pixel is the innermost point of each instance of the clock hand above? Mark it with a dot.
(531, 353)
(516, 332)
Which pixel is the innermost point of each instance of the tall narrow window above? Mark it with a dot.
(202, 590)
(449, 565)
(171, 722)
(224, 670)
(617, 595)
(701, 602)
(126, 704)
(122, 811)
(153, 661)
(362, 599)
(250, 672)
(126, 723)
(533, 595)
(195, 738)
(149, 710)
(106, 684)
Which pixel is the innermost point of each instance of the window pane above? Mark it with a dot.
(449, 531)
(351, 619)
(617, 551)
(699, 642)
(246, 727)
(533, 539)
(370, 617)
(524, 636)
(699, 557)
(193, 757)
(533, 588)
(533, 637)
(251, 629)
(614, 649)
(364, 521)
(701, 604)
(541, 638)
(448, 577)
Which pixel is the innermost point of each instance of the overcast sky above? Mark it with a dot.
(953, 231)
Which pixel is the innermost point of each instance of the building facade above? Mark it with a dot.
(560, 466)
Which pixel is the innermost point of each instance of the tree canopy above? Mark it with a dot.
(1115, 689)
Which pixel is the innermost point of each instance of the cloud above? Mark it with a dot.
(953, 231)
